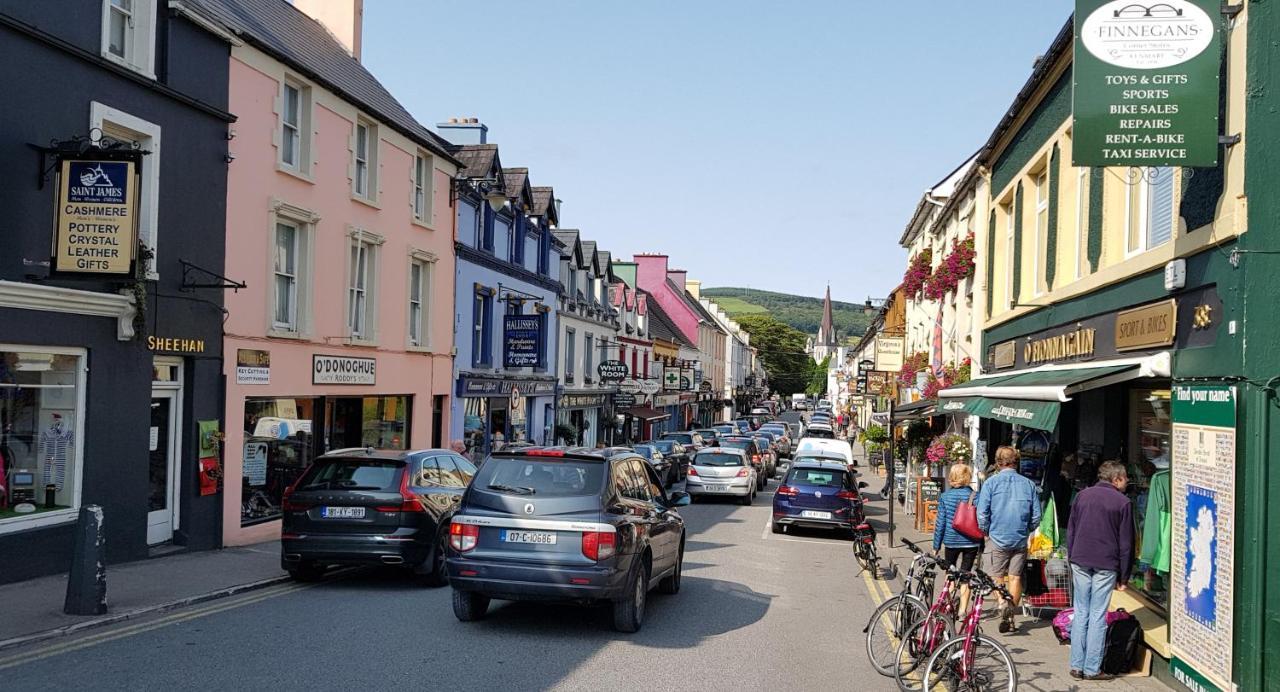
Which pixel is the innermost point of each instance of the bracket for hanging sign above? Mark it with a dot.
(1229, 140)
(1229, 10)
(190, 283)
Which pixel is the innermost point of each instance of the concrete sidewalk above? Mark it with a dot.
(32, 610)
(1042, 662)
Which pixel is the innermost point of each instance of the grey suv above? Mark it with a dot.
(566, 524)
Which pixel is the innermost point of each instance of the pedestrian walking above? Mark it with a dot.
(1100, 550)
(959, 548)
(1008, 511)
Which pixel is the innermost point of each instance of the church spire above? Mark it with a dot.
(827, 330)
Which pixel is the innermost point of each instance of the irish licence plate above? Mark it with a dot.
(342, 512)
(539, 537)
(717, 488)
(810, 514)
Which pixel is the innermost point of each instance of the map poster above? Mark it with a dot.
(1203, 532)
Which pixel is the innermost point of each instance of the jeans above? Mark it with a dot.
(1089, 626)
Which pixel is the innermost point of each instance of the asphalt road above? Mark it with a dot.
(756, 611)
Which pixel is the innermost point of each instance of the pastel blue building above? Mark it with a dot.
(505, 303)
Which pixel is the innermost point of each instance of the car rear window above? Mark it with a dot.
(352, 474)
(717, 459)
(645, 451)
(544, 478)
(682, 439)
(828, 478)
(665, 446)
(748, 445)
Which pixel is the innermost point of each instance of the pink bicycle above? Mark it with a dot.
(972, 660)
(924, 637)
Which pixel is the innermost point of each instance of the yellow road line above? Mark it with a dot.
(120, 633)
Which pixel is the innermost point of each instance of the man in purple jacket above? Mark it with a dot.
(1100, 549)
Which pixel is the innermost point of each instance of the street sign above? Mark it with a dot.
(648, 387)
(629, 386)
(671, 378)
(865, 365)
(1146, 83)
(612, 371)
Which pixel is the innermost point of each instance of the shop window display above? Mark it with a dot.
(39, 400)
(278, 446)
(381, 422)
(1149, 489)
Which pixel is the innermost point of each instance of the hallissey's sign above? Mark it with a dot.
(97, 216)
(522, 341)
(1146, 83)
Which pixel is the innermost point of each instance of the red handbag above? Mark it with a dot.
(966, 519)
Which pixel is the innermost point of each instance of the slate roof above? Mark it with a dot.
(291, 36)
(515, 180)
(589, 254)
(661, 326)
(542, 201)
(567, 237)
(478, 159)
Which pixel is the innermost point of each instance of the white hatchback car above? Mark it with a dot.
(833, 447)
(723, 471)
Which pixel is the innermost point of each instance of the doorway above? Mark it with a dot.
(163, 444)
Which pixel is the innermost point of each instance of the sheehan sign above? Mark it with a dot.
(97, 217)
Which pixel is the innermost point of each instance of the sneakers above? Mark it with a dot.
(1006, 619)
(1099, 677)
(1078, 675)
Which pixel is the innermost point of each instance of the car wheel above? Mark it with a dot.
(436, 572)
(778, 528)
(747, 499)
(306, 571)
(671, 585)
(628, 612)
(469, 605)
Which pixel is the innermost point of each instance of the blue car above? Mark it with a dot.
(566, 524)
(818, 494)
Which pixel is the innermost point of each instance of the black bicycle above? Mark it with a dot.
(864, 548)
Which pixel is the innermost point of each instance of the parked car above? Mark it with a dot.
(784, 436)
(820, 430)
(678, 454)
(666, 468)
(724, 472)
(744, 425)
(823, 445)
(574, 525)
(687, 438)
(757, 454)
(821, 494)
(725, 429)
(373, 507)
(770, 445)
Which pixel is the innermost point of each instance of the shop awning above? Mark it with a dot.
(914, 411)
(646, 413)
(1029, 413)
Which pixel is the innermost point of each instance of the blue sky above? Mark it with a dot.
(756, 144)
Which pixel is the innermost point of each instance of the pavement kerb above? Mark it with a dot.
(104, 621)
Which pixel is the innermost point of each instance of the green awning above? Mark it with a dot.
(1057, 384)
(1042, 415)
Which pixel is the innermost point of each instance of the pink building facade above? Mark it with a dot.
(339, 221)
(654, 276)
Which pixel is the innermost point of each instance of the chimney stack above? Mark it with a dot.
(694, 287)
(343, 18)
(462, 131)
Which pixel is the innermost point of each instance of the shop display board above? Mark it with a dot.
(927, 491)
(1203, 533)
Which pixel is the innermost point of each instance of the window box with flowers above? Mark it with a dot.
(957, 266)
(911, 365)
(918, 272)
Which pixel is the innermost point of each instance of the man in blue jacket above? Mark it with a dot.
(1008, 511)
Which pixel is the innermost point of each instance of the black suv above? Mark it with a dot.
(566, 524)
(373, 507)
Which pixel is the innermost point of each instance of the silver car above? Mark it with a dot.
(723, 471)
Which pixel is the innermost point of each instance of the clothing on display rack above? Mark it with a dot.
(1155, 527)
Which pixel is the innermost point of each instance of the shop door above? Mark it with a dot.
(162, 506)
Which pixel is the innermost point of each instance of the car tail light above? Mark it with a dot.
(743, 472)
(599, 545)
(847, 495)
(408, 501)
(463, 537)
(545, 452)
(693, 471)
(787, 491)
(290, 506)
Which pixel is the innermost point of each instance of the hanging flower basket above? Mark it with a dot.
(957, 266)
(918, 271)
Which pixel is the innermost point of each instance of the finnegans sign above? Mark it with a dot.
(1146, 83)
(97, 216)
(343, 370)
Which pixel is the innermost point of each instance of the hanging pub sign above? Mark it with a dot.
(612, 371)
(878, 382)
(889, 353)
(97, 216)
(522, 341)
(670, 378)
(1146, 83)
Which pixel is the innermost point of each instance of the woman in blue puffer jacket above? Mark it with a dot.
(958, 547)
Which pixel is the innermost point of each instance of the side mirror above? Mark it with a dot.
(862, 484)
(680, 498)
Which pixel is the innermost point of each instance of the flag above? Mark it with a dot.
(936, 359)
(1049, 522)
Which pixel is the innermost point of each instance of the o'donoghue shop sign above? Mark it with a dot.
(343, 370)
(97, 217)
(1146, 83)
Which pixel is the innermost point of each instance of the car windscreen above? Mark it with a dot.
(820, 434)
(665, 446)
(775, 429)
(819, 457)
(541, 477)
(645, 451)
(717, 459)
(682, 438)
(352, 474)
(826, 478)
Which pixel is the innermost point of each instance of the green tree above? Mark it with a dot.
(781, 349)
(818, 378)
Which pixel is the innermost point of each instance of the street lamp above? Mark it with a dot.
(490, 188)
(868, 308)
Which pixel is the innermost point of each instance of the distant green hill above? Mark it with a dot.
(802, 312)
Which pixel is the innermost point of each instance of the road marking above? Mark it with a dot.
(766, 535)
(112, 635)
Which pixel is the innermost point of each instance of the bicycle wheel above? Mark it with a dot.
(886, 626)
(986, 666)
(916, 646)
